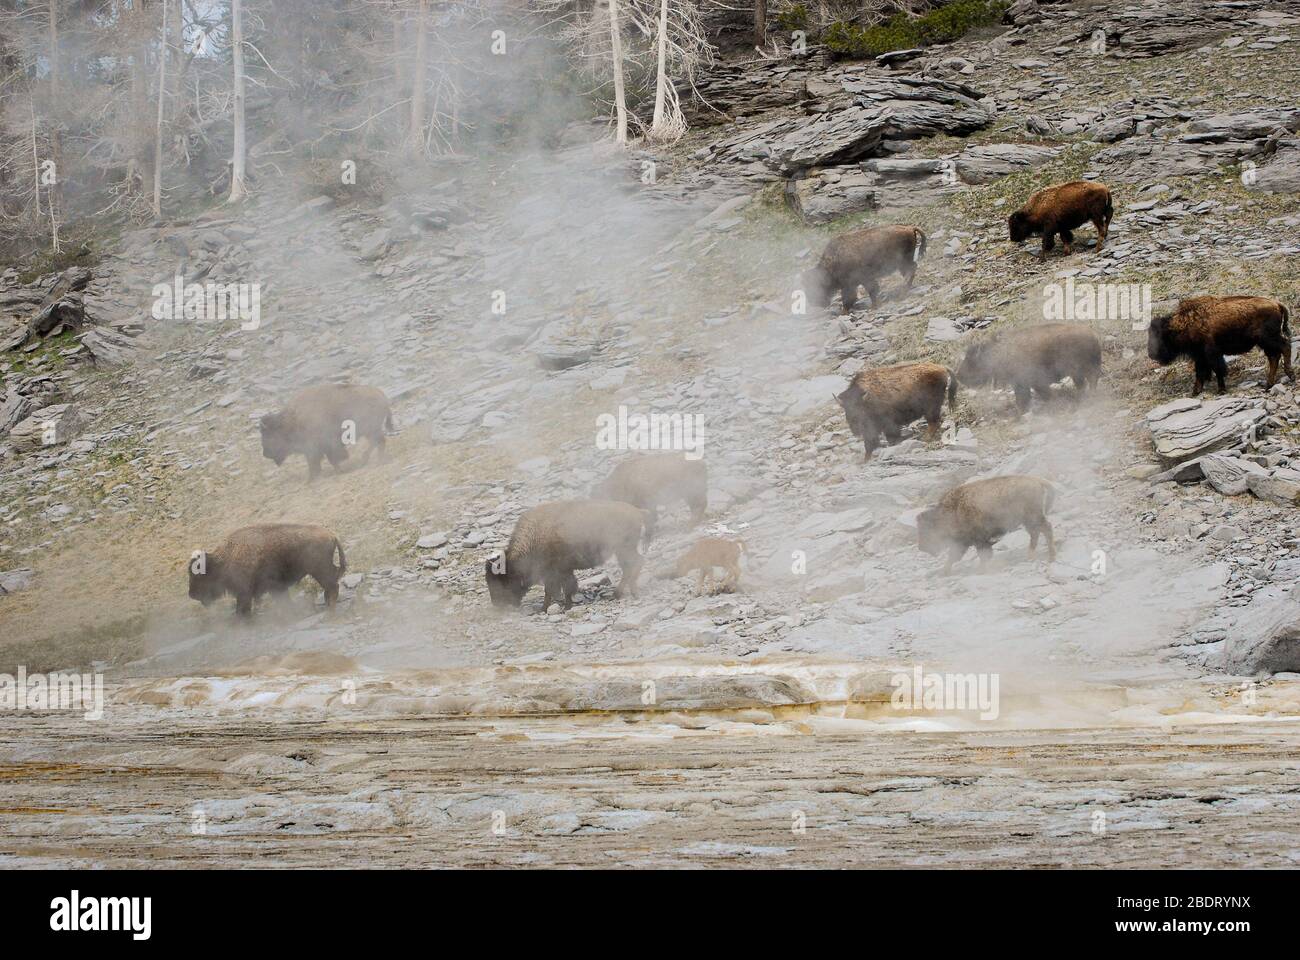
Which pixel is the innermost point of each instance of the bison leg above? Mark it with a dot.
(849, 296)
(893, 434)
(1202, 370)
(1022, 397)
(629, 562)
(1220, 371)
(336, 454)
(933, 423)
(955, 553)
(313, 465)
(985, 551)
(1272, 369)
(698, 505)
(1048, 244)
(1042, 528)
(869, 443)
(873, 291)
(244, 604)
(570, 589)
(1100, 224)
(910, 276)
(1067, 237)
(699, 581)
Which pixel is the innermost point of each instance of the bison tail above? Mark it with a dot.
(1286, 320)
(343, 561)
(1049, 496)
(388, 421)
(952, 389)
(918, 246)
(1110, 208)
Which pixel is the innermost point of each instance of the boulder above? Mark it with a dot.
(1187, 428)
(47, 427)
(822, 196)
(1265, 638)
(988, 162)
(1230, 475)
(11, 581)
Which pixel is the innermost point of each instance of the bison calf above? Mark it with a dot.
(1059, 210)
(704, 556)
(321, 422)
(864, 257)
(553, 540)
(979, 513)
(267, 558)
(1208, 328)
(1034, 358)
(886, 399)
(652, 480)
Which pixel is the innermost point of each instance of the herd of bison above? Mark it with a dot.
(552, 541)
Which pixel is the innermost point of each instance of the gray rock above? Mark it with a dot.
(1230, 475)
(1187, 428)
(1266, 635)
(983, 164)
(11, 581)
(47, 427)
(822, 196)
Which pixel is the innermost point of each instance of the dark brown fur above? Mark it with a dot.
(708, 553)
(654, 480)
(1060, 209)
(267, 558)
(1034, 358)
(312, 423)
(864, 257)
(1208, 328)
(886, 399)
(979, 513)
(553, 540)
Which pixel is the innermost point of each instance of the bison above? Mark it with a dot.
(652, 480)
(864, 257)
(977, 514)
(1034, 358)
(1059, 210)
(704, 556)
(1208, 328)
(267, 558)
(886, 399)
(322, 421)
(553, 540)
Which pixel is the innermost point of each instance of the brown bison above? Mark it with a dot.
(1059, 210)
(652, 480)
(322, 421)
(267, 558)
(1034, 358)
(553, 540)
(1208, 328)
(977, 514)
(704, 556)
(886, 399)
(864, 257)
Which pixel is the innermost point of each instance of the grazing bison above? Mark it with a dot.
(1034, 358)
(864, 257)
(979, 513)
(652, 480)
(1059, 210)
(553, 540)
(886, 399)
(704, 556)
(1208, 328)
(267, 558)
(320, 422)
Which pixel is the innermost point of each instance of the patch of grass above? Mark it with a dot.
(903, 31)
(114, 642)
(75, 253)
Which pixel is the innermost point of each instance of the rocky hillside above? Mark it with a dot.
(517, 298)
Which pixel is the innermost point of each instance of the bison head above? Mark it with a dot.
(930, 535)
(850, 402)
(206, 586)
(977, 366)
(817, 286)
(276, 438)
(1159, 347)
(505, 588)
(1019, 226)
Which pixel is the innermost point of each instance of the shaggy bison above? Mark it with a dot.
(553, 540)
(886, 399)
(653, 480)
(864, 257)
(267, 558)
(1208, 328)
(322, 421)
(977, 514)
(1059, 210)
(1034, 358)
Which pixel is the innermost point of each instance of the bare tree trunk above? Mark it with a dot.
(661, 75)
(237, 190)
(620, 101)
(158, 130)
(178, 45)
(53, 195)
(418, 79)
(760, 23)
